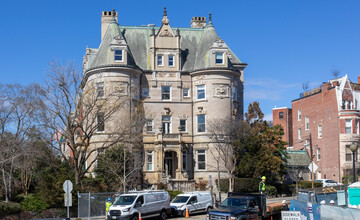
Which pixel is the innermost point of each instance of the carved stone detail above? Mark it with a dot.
(166, 74)
(200, 110)
(200, 77)
(165, 33)
(121, 88)
(221, 91)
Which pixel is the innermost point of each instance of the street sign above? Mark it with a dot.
(68, 199)
(290, 215)
(314, 165)
(210, 181)
(67, 186)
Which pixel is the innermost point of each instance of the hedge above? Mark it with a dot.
(173, 194)
(33, 203)
(307, 184)
(240, 185)
(9, 208)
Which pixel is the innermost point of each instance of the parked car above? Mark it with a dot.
(195, 201)
(148, 203)
(328, 182)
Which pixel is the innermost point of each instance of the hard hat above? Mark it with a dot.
(323, 202)
(284, 201)
(263, 178)
(109, 199)
(332, 202)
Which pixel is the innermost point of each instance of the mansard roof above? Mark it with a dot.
(195, 45)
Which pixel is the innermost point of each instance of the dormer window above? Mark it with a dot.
(219, 58)
(171, 60)
(160, 60)
(118, 55)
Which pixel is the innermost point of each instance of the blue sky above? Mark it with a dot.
(285, 43)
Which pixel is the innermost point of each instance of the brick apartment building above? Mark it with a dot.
(326, 119)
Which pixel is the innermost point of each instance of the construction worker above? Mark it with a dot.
(262, 185)
(285, 206)
(107, 205)
(262, 192)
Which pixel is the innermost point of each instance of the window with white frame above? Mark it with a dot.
(348, 126)
(184, 160)
(183, 125)
(166, 124)
(118, 55)
(348, 154)
(150, 160)
(186, 92)
(281, 115)
(200, 92)
(145, 92)
(171, 60)
(299, 133)
(100, 118)
(299, 115)
(149, 125)
(219, 58)
(307, 123)
(160, 60)
(201, 159)
(201, 123)
(100, 93)
(318, 154)
(319, 131)
(357, 126)
(165, 92)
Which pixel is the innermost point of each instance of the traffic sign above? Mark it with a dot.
(313, 166)
(68, 199)
(67, 186)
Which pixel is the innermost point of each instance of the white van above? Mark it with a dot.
(195, 201)
(148, 203)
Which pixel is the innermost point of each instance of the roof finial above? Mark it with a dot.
(165, 20)
(209, 16)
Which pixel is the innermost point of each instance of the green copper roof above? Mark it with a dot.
(195, 44)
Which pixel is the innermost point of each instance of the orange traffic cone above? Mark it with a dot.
(140, 216)
(187, 212)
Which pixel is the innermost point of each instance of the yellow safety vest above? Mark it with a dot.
(108, 204)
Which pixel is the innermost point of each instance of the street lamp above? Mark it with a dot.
(353, 148)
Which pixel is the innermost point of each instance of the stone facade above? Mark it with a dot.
(183, 78)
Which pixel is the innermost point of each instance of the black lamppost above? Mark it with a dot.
(353, 148)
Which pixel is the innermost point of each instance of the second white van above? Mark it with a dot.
(195, 201)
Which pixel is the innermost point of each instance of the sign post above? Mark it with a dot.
(68, 187)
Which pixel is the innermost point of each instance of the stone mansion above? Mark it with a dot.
(184, 77)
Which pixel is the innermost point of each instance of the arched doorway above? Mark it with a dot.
(170, 164)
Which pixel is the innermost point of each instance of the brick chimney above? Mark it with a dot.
(198, 22)
(106, 18)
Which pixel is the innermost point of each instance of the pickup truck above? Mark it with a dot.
(244, 206)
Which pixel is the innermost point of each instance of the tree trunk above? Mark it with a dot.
(5, 185)
(231, 184)
(219, 188)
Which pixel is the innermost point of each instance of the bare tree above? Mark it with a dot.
(305, 86)
(335, 71)
(224, 133)
(79, 113)
(18, 106)
(296, 170)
